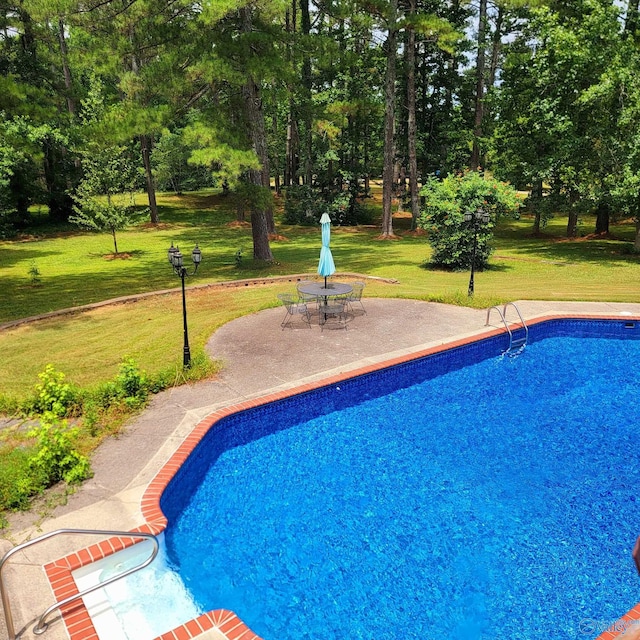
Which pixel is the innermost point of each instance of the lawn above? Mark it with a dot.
(78, 268)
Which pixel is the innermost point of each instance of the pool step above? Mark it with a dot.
(211, 634)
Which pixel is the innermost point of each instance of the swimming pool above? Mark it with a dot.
(504, 511)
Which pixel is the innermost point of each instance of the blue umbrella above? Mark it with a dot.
(326, 266)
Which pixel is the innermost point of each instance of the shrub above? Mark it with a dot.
(446, 202)
(130, 387)
(130, 381)
(305, 205)
(53, 394)
(302, 205)
(56, 457)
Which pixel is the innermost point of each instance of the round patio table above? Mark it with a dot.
(319, 290)
(331, 290)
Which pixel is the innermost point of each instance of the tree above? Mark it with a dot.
(447, 201)
(480, 84)
(555, 125)
(140, 51)
(101, 199)
(33, 98)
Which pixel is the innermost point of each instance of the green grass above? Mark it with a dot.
(77, 268)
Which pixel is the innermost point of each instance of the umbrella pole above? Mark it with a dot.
(325, 282)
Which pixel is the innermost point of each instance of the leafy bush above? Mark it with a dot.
(305, 205)
(302, 205)
(130, 387)
(53, 395)
(446, 202)
(56, 457)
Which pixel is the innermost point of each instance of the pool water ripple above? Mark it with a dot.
(494, 501)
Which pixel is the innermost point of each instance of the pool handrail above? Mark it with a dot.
(41, 625)
(519, 343)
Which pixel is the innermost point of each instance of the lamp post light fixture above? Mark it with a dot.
(477, 217)
(177, 262)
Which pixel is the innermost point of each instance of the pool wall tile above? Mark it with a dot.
(228, 425)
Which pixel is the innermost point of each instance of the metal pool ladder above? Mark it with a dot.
(41, 625)
(518, 342)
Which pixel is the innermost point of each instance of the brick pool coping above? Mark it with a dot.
(224, 623)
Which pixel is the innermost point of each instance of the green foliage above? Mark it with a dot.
(19, 481)
(35, 277)
(171, 166)
(56, 457)
(252, 197)
(97, 214)
(447, 201)
(305, 205)
(302, 205)
(130, 380)
(28, 469)
(130, 387)
(214, 149)
(104, 197)
(53, 394)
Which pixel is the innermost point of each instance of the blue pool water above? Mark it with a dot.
(490, 500)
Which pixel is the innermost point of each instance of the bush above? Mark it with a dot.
(446, 202)
(27, 469)
(53, 395)
(305, 205)
(56, 457)
(130, 387)
(302, 205)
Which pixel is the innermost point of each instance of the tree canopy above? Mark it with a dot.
(263, 95)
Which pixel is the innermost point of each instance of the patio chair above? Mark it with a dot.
(294, 307)
(308, 298)
(335, 309)
(356, 295)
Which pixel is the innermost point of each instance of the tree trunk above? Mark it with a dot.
(412, 130)
(305, 19)
(631, 19)
(603, 213)
(292, 144)
(115, 242)
(389, 123)
(291, 149)
(480, 63)
(496, 45)
(365, 155)
(536, 197)
(572, 222)
(145, 144)
(262, 222)
(66, 71)
(636, 243)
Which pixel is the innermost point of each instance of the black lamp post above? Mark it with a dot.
(177, 262)
(477, 217)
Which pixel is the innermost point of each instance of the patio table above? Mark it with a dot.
(332, 290)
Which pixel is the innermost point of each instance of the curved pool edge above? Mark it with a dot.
(223, 624)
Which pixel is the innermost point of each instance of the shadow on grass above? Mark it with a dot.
(492, 266)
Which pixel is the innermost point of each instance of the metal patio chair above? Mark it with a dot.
(307, 298)
(355, 297)
(336, 309)
(294, 307)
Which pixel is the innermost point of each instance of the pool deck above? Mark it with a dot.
(260, 359)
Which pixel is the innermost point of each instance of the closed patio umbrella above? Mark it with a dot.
(326, 266)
